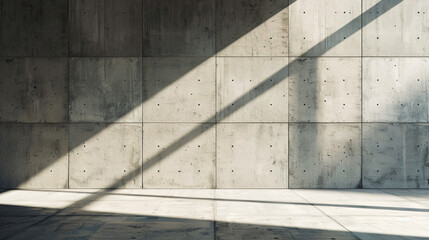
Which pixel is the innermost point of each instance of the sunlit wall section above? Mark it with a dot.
(214, 94)
(395, 97)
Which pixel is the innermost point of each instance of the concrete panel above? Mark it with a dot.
(15, 28)
(252, 28)
(33, 90)
(239, 76)
(106, 28)
(50, 28)
(178, 89)
(123, 33)
(314, 22)
(325, 156)
(401, 31)
(87, 27)
(105, 90)
(325, 90)
(33, 155)
(179, 155)
(180, 28)
(34, 28)
(395, 89)
(252, 156)
(395, 155)
(103, 155)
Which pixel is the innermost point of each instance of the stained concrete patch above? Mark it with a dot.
(401, 31)
(119, 227)
(228, 230)
(325, 90)
(82, 227)
(157, 228)
(252, 155)
(178, 28)
(264, 83)
(324, 155)
(106, 28)
(33, 155)
(395, 155)
(103, 155)
(33, 90)
(171, 161)
(34, 28)
(313, 22)
(10, 226)
(105, 90)
(395, 89)
(252, 28)
(178, 89)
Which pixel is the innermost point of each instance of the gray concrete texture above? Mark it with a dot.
(216, 214)
(105, 28)
(105, 89)
(154, 94)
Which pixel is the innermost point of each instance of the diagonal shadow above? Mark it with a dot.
(406, 209)
(26, 223)
(253, 13)
(346, 31)
(231, 34)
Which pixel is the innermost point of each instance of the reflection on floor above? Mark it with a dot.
(215, 214)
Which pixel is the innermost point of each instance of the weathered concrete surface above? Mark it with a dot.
(33, 156)
(33, 90)
(395, 89)
(252, 28)
(238, 76)
(178, 89)
(216, 214)
(313, 21)
(190, 166)
(325, 90)
(12, 225)
(324, 155)
(34, 28)
(252, 155)
(105, 89)
(102, 155)
(395, 155)
(401, 31)
(106, 28)
(223, 63)
(15, 32)
(179, 28)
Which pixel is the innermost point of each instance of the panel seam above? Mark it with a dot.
(287, 94)
(330, 217)
(361, 93)
(215, 101)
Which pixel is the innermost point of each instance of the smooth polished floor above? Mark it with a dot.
(214, 214)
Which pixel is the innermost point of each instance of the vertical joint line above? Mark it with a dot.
(68, 91)
(361, 93)
(215, 86)
(68, 123)
(142, 87)
(287, 94)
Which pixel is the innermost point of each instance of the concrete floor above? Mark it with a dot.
(214, 214)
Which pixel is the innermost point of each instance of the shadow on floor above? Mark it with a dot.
(421, 193)
(18, 222)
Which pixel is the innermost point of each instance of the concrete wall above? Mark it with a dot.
(214, 93)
